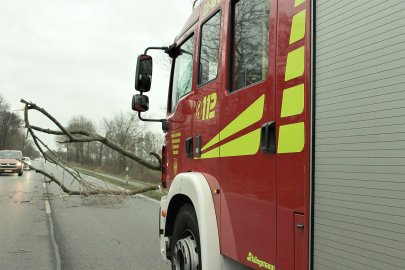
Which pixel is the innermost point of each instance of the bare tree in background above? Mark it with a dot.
(12, 135)
(79, 152)
(4, 113)
(125, 131)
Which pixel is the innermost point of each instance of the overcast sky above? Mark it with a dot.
(78, 57)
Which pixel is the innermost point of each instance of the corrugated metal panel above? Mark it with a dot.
(359, 211)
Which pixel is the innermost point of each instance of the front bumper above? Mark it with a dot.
(11, 170)
(11, 167)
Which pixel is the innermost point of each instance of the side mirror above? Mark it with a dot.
(143, 75)
(140, 103)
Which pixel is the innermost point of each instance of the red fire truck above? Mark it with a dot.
(285, 136)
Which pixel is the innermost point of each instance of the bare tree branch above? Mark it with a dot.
(87, 188)
(96, 191)
(89, 137)
(38, 143)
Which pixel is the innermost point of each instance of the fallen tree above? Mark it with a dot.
(77, 136)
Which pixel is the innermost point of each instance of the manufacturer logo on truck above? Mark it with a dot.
(262, 264)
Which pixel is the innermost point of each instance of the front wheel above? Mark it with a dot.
(20, 173)
(185, 244)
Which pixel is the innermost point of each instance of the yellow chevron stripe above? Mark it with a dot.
(245, 145)
(298, 2)
(293, 101)
(295, 64)
(247, 118)
(298, 27)
(291, 138)
(214, 153)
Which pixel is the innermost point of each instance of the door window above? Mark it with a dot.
(208, 67)
(250, 42)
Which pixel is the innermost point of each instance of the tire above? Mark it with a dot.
(185, 244)
(20, 173)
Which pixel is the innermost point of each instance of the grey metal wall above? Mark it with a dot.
(359, 210)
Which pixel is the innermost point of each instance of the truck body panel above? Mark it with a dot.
(295, 119)
(359, 157)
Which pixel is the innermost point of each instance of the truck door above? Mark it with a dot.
(247, 137)
(207, 98)
(180, 106)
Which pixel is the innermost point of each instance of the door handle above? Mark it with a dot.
(189, 147)
(300, 226)
(268, 138)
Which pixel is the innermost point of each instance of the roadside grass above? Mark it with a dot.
(132, 185)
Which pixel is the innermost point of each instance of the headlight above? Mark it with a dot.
(18, 163)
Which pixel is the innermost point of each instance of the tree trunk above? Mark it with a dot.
(100, 155)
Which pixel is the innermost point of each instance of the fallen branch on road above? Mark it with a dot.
(86, 187)
(94, 190)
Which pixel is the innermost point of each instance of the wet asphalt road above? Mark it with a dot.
(88, 234)
(24, 229)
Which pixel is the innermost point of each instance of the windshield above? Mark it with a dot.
(10, 154)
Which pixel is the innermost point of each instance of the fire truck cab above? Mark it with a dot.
(284, 136)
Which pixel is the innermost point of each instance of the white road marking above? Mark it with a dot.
(47, 207)
(52, 232)
(146, 197)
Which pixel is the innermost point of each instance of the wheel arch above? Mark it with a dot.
(193, 188)
(175, 204)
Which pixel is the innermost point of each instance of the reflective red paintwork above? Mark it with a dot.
(264, 198)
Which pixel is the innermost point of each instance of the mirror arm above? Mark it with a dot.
(172, 51)
(150, 120)
(165, 126)
(155, 48)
